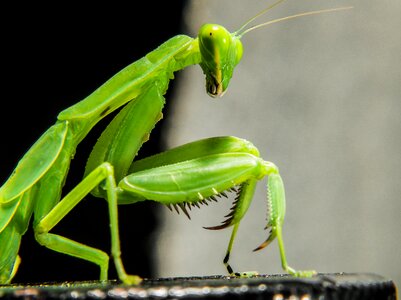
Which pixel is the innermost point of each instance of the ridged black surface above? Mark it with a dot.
(277, 287)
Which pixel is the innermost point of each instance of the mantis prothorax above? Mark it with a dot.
(181, 178)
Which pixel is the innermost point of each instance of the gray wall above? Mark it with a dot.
(320, 97)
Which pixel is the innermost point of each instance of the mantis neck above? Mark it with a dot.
(157, 67)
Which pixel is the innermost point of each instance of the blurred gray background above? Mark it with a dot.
(320, 96)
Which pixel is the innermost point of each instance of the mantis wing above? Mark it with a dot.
(7, 211)
(35, 163)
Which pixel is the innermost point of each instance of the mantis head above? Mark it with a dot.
(220, 51)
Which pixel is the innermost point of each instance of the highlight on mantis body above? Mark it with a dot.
(182, 178)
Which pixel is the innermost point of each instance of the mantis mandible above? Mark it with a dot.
(179, 178)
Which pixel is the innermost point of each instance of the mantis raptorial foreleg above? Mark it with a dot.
(205, 170)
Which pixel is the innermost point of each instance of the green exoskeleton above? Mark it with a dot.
(181, 178)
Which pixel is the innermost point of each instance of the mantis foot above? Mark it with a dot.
(131, 279)
(247, 274)
(302, 274)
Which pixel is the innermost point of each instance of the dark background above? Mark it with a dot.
(52, 57)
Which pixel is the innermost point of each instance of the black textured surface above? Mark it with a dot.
(277, 287)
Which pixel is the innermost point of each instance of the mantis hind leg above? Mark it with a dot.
(70, 247)
(63, 245)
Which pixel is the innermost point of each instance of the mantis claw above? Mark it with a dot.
(246, 274)
(132, 280)
(301, 274)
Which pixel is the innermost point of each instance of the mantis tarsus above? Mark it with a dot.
(179, 178)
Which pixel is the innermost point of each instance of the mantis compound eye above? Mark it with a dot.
(220, 52)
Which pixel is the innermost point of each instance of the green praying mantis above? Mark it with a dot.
(180, 178)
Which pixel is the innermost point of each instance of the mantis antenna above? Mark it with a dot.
(261, 13)
(242, 31)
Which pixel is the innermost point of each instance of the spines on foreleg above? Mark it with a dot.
(187, 206)
(275, 207)
(233, 210)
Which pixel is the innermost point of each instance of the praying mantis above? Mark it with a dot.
(180, 178)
